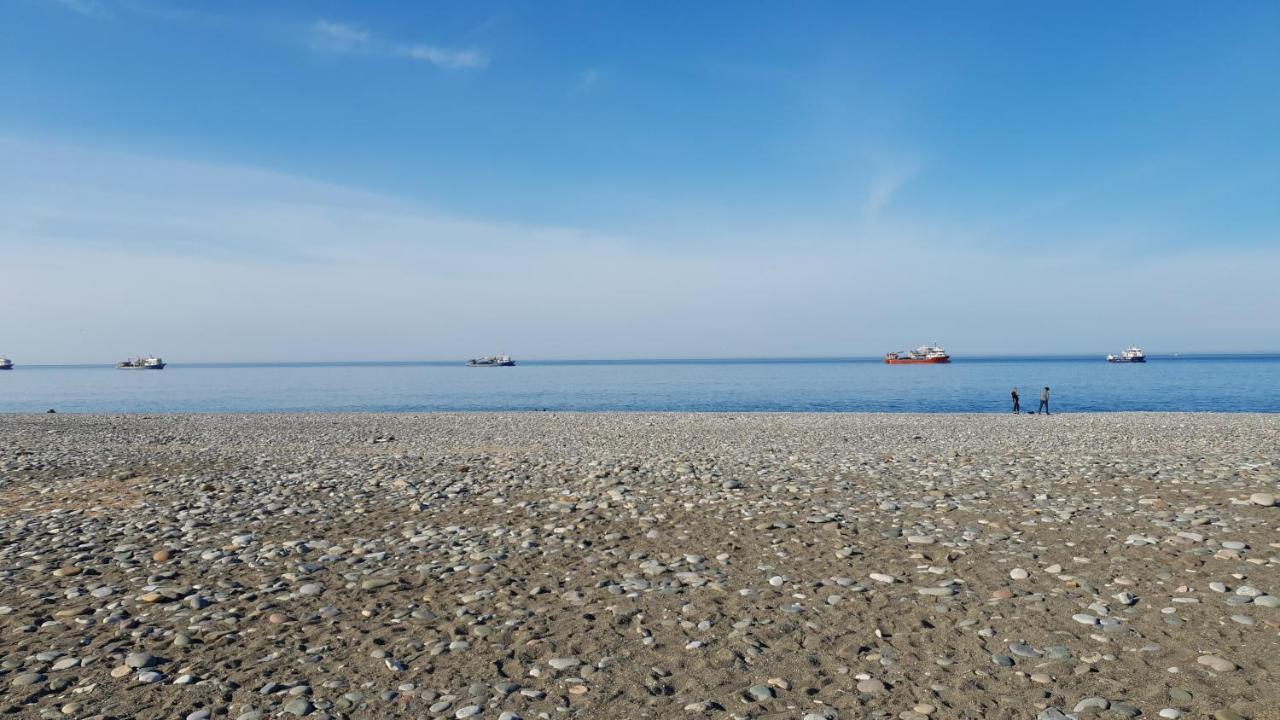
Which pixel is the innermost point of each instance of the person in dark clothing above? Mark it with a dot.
(1044, 401)
(1016, 407)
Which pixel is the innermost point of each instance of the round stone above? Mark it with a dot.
(1124, 709)
(1217, 664)
(1263, 499)
(25, 679)
(1097, 703)
(139, 660)
(870, 687)
(564, 663)
(1022, 650)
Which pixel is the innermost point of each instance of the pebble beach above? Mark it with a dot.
(559, 565)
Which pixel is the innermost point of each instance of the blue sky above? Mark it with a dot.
(571, 179)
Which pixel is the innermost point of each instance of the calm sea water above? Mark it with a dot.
(1187, 383)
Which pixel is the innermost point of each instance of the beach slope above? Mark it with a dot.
(638, 565)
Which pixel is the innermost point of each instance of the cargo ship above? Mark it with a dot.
(492, 361)
(139, 363)
(1133, 354)
(923, 355)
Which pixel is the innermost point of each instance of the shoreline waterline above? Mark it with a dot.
(1216, 384)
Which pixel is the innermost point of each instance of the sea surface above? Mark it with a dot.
(1241, 383)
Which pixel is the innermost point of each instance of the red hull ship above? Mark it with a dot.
(923, 355)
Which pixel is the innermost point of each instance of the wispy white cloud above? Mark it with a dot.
(445, 58)
(324, 36)
(338, 37)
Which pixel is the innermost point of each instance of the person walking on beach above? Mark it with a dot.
(1016, 407)
(1044, 401)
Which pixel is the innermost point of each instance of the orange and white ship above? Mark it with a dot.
(923, 355)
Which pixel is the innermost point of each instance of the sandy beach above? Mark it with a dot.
(542, 565)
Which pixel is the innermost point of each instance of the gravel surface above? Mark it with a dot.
(640, 566)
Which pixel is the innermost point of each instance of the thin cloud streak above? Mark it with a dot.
(343, 38)
(324, 36)
(337, 37)
(440, 57)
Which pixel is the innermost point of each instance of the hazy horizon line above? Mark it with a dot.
(663, 359)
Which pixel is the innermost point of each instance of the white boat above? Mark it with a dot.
(492, 361)
(5, 363)
(1132, 354)
(923, 355)
(141, 363)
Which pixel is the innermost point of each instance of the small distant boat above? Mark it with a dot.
(1133, 354)
(141, 363)
(5, 363)
(923, 355)
(492, 361)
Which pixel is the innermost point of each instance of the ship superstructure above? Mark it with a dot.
(923, 355)
(492, 361)
(1132, 354)
(141, 363)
